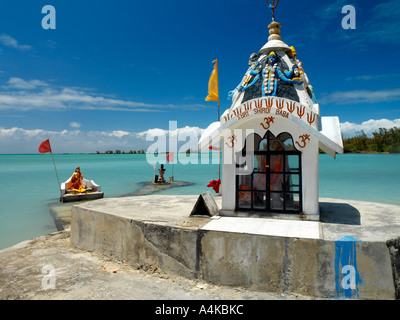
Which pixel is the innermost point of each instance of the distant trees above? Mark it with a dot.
(118, 151)
(383, 140)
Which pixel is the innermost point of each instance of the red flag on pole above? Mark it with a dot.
(214, 148)
(45, 147)
(170, 157)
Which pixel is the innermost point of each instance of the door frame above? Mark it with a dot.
(268, 192)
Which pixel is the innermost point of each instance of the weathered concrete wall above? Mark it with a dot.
(135, 242)
(394, 250)
(266, 263)
(304, 266)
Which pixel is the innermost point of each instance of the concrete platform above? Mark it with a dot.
(82, 275)
(266, 227)
(271, 255)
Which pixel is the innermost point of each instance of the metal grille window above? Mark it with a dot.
(274, 185)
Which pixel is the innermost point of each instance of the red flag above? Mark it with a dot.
(214, 148)
(170, 157)
(45, 146)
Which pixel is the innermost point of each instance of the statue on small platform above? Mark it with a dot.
(161, 172)
(76, 181)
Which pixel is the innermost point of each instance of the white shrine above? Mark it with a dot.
(270, 138)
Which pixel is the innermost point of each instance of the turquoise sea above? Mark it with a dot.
(29, 183)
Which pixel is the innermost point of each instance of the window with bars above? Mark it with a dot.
(275, 183)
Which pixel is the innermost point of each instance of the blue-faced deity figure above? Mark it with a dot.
(248, 77)
(269, 76)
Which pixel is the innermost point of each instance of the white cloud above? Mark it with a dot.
(10, 42)
(116, 133)
(153, 133)
(19, 140)
(18, 83)
(389, 13)
(75, 124)
(371, 77)
(352, 129)
(331, 10)
(181, 133)
(24, 95)
(360, 96)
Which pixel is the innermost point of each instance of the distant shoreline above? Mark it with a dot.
(127, 153)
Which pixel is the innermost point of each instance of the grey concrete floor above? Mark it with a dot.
(49, 268)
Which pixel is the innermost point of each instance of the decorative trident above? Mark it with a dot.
(272, 6)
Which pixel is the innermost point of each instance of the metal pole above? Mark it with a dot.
(59, 186)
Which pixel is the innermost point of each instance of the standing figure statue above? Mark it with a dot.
(306, 83)
(270, 75)
(249, 75)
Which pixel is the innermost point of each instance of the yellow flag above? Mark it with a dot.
(213, 94)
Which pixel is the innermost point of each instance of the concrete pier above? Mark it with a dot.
(351, 253)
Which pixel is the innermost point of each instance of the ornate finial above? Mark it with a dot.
(273, 6)
(274, 31)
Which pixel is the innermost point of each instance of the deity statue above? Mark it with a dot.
(253, 65)
(303, 75)
(75, 182)
(294, 74)
(270, 75)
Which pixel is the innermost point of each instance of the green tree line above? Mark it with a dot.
(122, 152)
(383, 140)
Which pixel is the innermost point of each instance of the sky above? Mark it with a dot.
(114, 73)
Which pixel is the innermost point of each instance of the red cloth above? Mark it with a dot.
(214, 148)
(215, 185)
(170, 157)
(45, 146)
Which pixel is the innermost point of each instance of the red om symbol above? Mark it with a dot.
(304, 138)
(268, 122)
(232, 140)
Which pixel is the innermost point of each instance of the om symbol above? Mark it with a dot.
(304, 138)
(232, 140)
(267, 122)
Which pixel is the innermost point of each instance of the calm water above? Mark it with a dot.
(29, 183)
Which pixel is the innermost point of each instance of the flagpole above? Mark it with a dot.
(219, 151)
(58, 180)
(213, 95)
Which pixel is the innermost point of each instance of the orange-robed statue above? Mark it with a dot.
(75, 183)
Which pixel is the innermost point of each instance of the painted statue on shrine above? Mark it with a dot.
(304, 78)
(269, 77)
(254, 65)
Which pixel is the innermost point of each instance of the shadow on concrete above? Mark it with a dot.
(340, 213)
